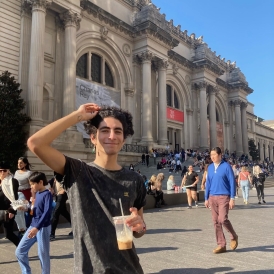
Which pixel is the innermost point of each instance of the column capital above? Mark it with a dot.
(39, 4)
(243, 105)
(162, 64)
(136, 59)
(129, 92)
(145, 56)
(200, 85)
(189, 111)
(70, 18)
(237, 102)
(26, 8)
(213, 91)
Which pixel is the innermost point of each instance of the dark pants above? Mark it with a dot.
(159, 198)
(60, 209)
(219, 211)
(9, 229)
(260, 191)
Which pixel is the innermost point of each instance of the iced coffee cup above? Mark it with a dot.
(123, 232)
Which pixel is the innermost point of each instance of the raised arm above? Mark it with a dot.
(40, 142)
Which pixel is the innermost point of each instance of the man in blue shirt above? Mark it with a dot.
(219, 196)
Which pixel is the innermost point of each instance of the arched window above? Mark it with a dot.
(172, 97)
(108, 76)
(176, 101)
(81, 67)
(168, 95)
(95, 66)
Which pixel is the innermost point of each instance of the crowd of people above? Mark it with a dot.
(112, 190)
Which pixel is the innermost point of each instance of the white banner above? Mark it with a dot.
(87, 92)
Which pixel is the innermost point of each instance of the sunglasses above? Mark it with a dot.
(3, 170)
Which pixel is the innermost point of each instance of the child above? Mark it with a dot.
(40, 228)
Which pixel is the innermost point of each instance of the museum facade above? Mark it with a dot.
(125, 53)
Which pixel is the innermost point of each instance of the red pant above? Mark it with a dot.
(27, 193)
(219, 210)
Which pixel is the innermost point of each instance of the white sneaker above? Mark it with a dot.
(189, 207)
(197, 205)
(236, 197)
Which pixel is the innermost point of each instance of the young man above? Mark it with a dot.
(219, 195)
(39, 230)
(94, 190)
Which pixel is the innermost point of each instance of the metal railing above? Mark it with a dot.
(134, 148)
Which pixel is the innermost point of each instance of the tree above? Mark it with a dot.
(13, 122)
(253, 151)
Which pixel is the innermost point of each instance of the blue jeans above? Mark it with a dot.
(245, 189)
(43, 241)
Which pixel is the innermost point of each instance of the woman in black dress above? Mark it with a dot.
(191, 180)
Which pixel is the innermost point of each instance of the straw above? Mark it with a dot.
(121, 207)
(123, 216)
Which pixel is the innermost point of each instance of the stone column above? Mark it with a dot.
(162, 119)
(190, 127)
(136, 71)
(129, 95)
(203, 116)
(238, 134)
(195, 122)
(146, 58)
(271, 152)
(36, 63)
(212, 117)
(227, 135)
(25, 38)
(71, 21)
(230, 132)
(244, 128)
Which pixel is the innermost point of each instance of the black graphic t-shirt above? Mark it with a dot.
(94, 195)
(191, 178)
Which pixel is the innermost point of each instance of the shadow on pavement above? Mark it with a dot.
(265, 248)
(153, 249)
(170, 230)
(67, 256)
(254, 272)
(194, 270)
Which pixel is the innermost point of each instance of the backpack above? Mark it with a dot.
(261, 177)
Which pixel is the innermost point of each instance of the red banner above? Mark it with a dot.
(175, 115)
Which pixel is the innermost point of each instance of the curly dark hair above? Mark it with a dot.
(123, 116)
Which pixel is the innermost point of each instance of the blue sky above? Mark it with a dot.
(238, 30)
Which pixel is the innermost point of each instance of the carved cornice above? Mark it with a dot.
(207, 64)
(222, 83)
(180, 59)
(106, 17)
(70, 18)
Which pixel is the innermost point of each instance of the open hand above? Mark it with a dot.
(135, 222)
(32, 232)
(87, 111)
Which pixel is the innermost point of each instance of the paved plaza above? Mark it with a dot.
(179, 240)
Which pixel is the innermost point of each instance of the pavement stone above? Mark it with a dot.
(179, 240)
